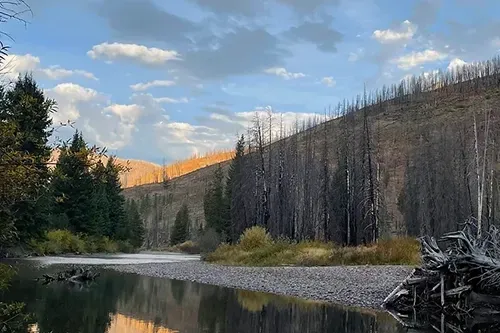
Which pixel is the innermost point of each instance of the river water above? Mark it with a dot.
(129, 303)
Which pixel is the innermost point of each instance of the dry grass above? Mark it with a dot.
(188, 247)
(398, 251)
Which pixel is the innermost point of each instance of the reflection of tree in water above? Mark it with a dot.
(178, 290)
(62, 308)
(187, 308)
(222, 310)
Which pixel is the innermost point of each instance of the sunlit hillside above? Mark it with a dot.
(143, 172)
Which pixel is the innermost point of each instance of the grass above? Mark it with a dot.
(257, 248)
(64, 241)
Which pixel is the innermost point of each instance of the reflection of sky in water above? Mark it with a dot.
(116, 259)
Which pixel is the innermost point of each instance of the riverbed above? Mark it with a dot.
(151, 293)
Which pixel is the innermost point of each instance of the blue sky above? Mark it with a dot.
(154, 79)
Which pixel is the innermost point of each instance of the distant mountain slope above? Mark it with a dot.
(144, 172)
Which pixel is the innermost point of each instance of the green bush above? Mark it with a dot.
(63, 241)
(254, 238)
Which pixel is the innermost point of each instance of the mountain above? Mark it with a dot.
(144, 172)
(403, 160)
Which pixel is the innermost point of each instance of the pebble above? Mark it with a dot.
(363, 286)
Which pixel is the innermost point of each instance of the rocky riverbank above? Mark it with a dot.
(364, 286)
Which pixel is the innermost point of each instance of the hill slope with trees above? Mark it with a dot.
(413, 158)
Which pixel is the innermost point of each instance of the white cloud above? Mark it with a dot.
(405, 32)
(282, 72)
(127, 113)
(103, 122)
(328, 81)
(140, 53)
(455, 64)
(69, 97)
(414, 59)
(171, 100)
(27, 63)
(147, 85)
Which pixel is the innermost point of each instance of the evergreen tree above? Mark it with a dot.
(233, 193)
(118, 221)
(135, 224)
(27, 109)
(180, 232)
(72, 186)
(100, 223)
(214, 204)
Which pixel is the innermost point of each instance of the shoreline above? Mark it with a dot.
(359, 286)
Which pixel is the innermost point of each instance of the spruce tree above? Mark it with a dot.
(72, 186)
(215, 205)
(135, 224)
(180, 232)
(26, 107)
(118, 222)
(232, 193)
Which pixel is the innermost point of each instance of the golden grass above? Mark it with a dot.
(269, 252)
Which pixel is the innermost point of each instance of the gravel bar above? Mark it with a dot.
(364, 286)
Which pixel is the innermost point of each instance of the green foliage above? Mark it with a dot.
(88, 201)
(6, 274)
(135, 224)
(63, 241)
(256, 248)
(232, 193)
(13, 318)
(180, 231)
(24, 132)
(254, 237)
(215, 205)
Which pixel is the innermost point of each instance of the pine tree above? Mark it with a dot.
(233, 193)
(180, 232)
(100, 223)
(135, 224)
(26, 107)
(118, 221)
(72, 186)
(215, 207)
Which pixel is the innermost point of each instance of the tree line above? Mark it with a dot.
(418, 157)
(80, 193)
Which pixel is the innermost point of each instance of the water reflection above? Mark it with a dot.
(129, 303)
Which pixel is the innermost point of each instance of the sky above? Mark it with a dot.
(162, 80)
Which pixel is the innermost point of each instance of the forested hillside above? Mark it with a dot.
(418, 157)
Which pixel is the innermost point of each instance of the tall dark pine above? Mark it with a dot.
(180, 232)
(72, 187)
(214, 204)
(26, 107)
(233, 192)
(135, 224)
(118, 221)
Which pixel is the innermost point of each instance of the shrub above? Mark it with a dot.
(189, 247)
(209, 241)
(254, 238)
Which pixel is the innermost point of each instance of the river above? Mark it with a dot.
(130, 303)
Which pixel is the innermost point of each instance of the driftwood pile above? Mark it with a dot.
(73, 275)
(456, 289)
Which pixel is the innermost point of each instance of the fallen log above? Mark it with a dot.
(460, 281)
(73, 275)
